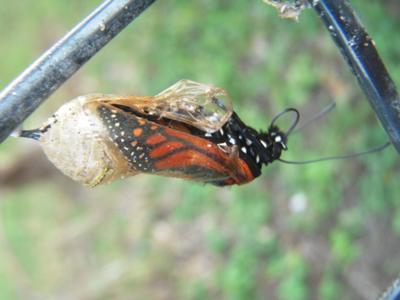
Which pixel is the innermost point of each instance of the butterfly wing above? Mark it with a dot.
(155, 148)
(203, 106)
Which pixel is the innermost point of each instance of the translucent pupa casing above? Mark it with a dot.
(77, 143)
(203, 106)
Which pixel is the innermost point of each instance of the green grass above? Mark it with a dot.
(150, 237)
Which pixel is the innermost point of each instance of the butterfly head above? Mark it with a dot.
(276, 138)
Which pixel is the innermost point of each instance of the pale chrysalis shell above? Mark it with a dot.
(77, 143)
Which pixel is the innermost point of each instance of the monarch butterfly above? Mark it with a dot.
(187, 131)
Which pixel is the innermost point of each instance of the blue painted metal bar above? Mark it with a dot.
(23, 95)
(358, 48)
(393, 292)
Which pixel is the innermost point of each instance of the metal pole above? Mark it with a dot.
(393, 292)
(23, 95)
(359, 50)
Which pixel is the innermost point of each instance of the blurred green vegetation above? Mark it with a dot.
(322, 231)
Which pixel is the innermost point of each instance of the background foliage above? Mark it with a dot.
(323, 231)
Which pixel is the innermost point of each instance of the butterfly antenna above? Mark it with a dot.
(295, 121)
(317, 116)
(339, 157)
(322, 113)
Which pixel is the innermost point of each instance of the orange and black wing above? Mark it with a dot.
(151, 146)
